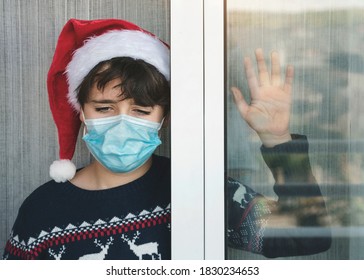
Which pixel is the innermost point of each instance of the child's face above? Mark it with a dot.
(109, 103)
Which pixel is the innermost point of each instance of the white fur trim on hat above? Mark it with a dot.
(115, 43)
(62, 170)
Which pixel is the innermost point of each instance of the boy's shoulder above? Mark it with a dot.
(47, 188)
(45, 192)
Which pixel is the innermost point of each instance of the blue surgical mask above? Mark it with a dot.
(122, 143)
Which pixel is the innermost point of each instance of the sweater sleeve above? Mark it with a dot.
(293, 225)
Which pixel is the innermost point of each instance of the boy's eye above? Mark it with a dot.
(142, 112)
(103, 109)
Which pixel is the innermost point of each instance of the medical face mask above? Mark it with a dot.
(122, 143)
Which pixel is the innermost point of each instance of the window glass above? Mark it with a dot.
(323, 40)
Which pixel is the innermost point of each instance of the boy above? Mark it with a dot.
(118, 207)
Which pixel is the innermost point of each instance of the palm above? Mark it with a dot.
(269, 111)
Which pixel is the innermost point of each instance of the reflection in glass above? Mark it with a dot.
(324, 43)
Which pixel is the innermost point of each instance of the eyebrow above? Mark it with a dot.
(105, 101)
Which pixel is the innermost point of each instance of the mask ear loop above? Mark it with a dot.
(160, 126)
(84, 132)
(84, 125)
(161, 123)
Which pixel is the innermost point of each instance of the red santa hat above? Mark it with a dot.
(81, 45)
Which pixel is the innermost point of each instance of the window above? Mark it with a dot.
(323, 40)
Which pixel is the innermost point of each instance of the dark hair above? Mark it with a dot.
(139, 80)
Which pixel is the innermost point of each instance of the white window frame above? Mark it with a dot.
(197, 129)
(214, 129)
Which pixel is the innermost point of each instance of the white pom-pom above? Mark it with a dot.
(62, 170)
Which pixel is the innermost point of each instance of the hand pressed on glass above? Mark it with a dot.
(269, 110)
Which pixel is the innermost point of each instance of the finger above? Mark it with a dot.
(251, 77)
(289, 79)
(262, 68)
(276, 69)
(240, 101)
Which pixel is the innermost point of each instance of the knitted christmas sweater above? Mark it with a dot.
(62, 221)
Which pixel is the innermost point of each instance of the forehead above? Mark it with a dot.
(112, 90)
(111, 93)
